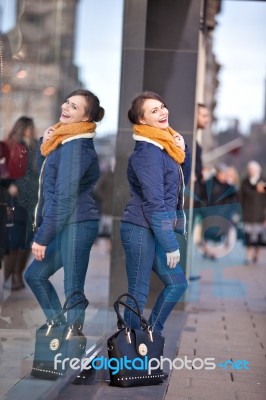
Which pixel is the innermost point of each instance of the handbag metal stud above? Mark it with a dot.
(49, 324)
(54, 344)
(143, 350)
(150, 333)
(128, 335)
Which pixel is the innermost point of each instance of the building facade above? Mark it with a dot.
(37, 68)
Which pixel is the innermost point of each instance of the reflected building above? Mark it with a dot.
(37, 68)
(211, 68)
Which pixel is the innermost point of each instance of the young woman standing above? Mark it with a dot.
(155, 209)
(66, 214)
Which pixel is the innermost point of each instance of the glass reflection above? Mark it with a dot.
(47, 50)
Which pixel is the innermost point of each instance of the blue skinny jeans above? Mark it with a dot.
(144, 255)
(71, 250)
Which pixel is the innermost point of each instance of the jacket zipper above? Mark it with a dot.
(34, 225)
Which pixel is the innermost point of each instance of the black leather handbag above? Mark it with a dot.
(130, 350)
(57, 343)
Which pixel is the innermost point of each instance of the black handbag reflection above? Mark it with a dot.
(57, 343)
(130, 350)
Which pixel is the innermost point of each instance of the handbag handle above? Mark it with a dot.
(143, 323)
(120, 320)
(83, 300)
(65, 308)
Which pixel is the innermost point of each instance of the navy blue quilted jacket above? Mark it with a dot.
(66, 188)
(156, 185)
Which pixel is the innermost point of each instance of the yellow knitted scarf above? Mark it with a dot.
(164, 137)
(65, 131)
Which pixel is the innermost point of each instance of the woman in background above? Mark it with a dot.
(22, 196)
(253, 201)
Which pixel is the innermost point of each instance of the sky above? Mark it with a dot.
(98, 53)
(7, 20)
(239, 45)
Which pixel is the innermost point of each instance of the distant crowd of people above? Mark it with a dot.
(227, 206)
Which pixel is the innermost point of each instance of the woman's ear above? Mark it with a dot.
(86, 119)
(142, 122)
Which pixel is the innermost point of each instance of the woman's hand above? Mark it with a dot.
(260, 187)
(173, 258)
(38, 251)
(13, 190)
(179, 141)
(47, 134)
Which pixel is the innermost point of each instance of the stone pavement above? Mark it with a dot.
(224, 318)
(226, 321)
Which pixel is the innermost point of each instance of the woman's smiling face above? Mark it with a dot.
(74, 110)
(154, 114)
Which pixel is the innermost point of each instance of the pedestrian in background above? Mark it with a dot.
(104, 192)
(66, 215)
(150, 217)
(21, 196)
(203, 120)
(233, 177)
(220, 197)
(253, 201)
(4, 184)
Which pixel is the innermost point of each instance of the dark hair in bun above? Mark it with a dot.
(93, 110)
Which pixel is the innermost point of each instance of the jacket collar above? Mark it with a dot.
(81, 136)
(139, 138)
